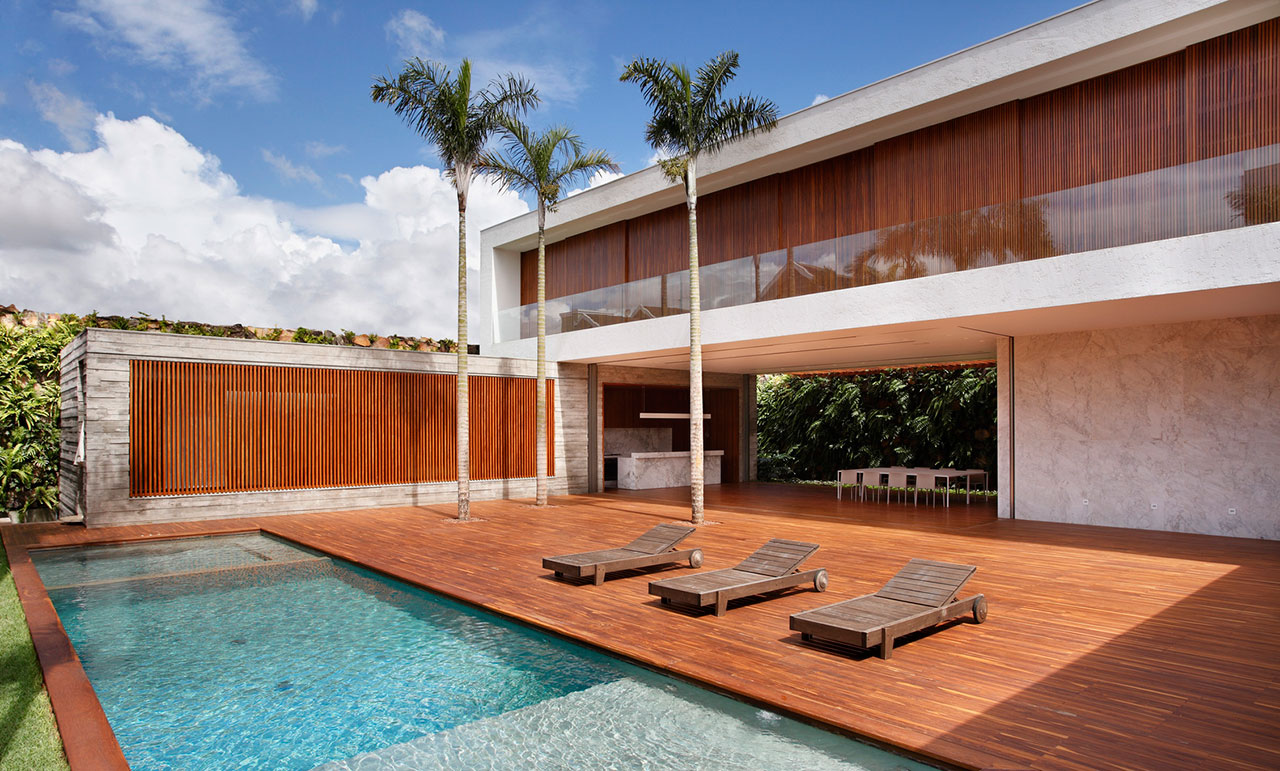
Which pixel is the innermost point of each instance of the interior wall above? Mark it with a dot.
(623, 404)
(1163, 427)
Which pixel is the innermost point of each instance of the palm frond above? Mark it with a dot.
(441, 108)
(690, 115)
(542, 163)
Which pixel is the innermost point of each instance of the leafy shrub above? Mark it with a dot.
(29, 432)
(811, 426)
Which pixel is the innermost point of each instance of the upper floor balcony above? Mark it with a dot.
(1221, 192)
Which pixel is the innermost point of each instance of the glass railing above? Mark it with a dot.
(1220, 193)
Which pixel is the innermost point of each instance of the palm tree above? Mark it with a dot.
(691, 119)
(542, 164)
(444, 111)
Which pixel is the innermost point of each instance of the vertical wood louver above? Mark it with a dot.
(197, 428)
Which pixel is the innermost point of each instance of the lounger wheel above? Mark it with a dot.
(980, 610)
(820, 581)
(695, 559)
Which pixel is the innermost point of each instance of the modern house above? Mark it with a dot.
(1091, 201)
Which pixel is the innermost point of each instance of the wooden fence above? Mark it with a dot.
(197, 428)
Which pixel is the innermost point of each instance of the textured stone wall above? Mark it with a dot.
(1164, 427)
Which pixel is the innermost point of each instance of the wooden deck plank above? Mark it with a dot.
(1104, 648)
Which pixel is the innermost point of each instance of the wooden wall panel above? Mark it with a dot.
(722, 429)
(859, 193)
(591, 260)
(811, 199)
(198, 428)
(1126, 122)
(658, 243)
(740, 221)
(1233, 90)
(624, 403)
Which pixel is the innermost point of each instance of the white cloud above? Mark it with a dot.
(60, 67)
(599, 178)
(545, 42)
(322, 150)
(146, 221)
(819, 99)
(290, 171)
(185, 36)
(415, 34)
(72, 117)
(307, 8)
(660, 155)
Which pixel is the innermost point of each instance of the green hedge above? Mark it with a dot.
(811, 426)
(29, 434)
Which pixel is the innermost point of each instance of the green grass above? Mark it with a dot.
(28, 735)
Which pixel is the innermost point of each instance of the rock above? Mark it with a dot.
(382, 342)
(286, 336)
(361, 340)
(30, 319)
(8, 321)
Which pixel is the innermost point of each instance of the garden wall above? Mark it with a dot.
(97, 396)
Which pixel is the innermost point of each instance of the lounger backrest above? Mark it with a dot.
(778, 557)
(929, 583)
(660, 539)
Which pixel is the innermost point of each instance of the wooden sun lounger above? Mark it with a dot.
(656, 547)
(921, 595)
(773, 566)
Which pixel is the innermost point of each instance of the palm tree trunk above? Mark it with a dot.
(541, 412)
(464, 425)
(695, 352)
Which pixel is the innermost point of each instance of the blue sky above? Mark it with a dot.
(263, 108)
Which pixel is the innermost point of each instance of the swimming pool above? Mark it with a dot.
(248, 652)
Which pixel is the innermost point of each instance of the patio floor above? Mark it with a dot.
(1104, 648)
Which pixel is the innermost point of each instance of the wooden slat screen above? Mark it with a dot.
(197, 428)
(1185, 143)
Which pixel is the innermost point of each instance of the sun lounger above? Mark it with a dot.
(774, 566)
(656, 547)
(921, 595)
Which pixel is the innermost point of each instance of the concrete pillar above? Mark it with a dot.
(747, 430)
(1005, 428)
(595, 461)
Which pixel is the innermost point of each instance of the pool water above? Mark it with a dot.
(247, 652)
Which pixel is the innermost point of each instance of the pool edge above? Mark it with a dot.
(87, 739)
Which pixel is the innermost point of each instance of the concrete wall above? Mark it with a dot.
(1163, 427)
(104, 477)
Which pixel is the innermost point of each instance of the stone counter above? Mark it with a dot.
(648, 470)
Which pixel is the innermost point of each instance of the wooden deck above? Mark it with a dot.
(1104, 648)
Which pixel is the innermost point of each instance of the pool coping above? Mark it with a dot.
(90, 743)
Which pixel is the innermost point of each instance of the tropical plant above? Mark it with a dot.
(442, 109)
(691, 119)
(542, 164)
(813, 425)
(29, 433)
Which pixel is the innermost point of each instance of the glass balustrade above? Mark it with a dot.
(1219, 193)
